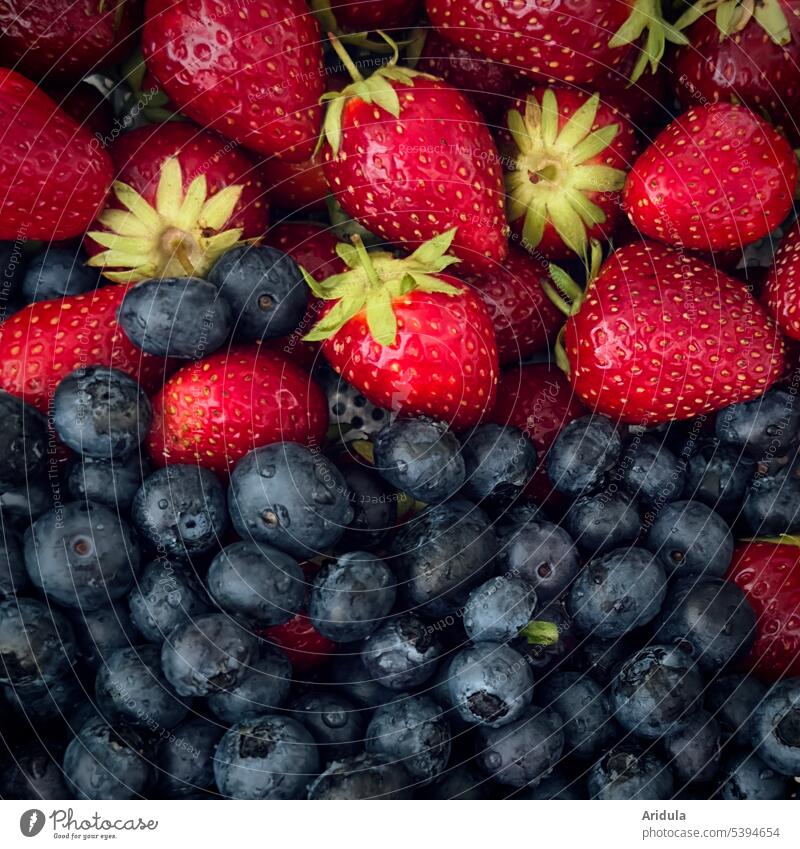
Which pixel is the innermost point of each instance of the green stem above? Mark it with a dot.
(345, 57)
(366, 262)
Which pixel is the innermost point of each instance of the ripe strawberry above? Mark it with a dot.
(645, 103)
(296, 185)
(717, 177)
(45, 341)
(182, 198)
(768, 571)
(409, 157)
(359, 15)
(212, 412)
(407, 336)
(566, 156)
(253, 71)
(54, 177)
(660, 336)
(782, 290)
(86, 106)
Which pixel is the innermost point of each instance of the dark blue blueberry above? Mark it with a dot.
(374, 508)
(13, 577)
(549, 640)
(616, 593)
(402, 653)
(289, 497)
(269, 757)
(34, 772)
(36, 642)
(266, 289)
(558, 785)
(180, 511)
(101, 632)
(499, 609)
(348, 675)
(772, 505)
(459, 782)
(601, 657)
(693, 754)
(746, 776)
(101, 412)
(689, 538)
(13, 262)
(626, 772)
(583, 452)
(24, 504)
(112, 482)
(767, 426)
(650, 471)
(257, 583)
(499, 461)
(718, 477)
(55, 273)
(25, 436)
(603, 521)
(364, 776)
(182, 317)
(420, 457)
(775, 729)
(351, 596)
(732, 700)
(82, 555)
(40, 702)
(335, 723)
(186, 757)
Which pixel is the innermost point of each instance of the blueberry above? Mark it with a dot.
(601, 657)
(549, 640)
(771, 505)
(206, 655)
(746, 776)
(364, 776)
(618, 592)
(499, 609)
(181, 317)
(39, 702)
(351, 596)
(558, 785)
(710, 618)
(374, 506)
(268, 757)
(347, 673)
(24, 504)
(603, 521)
(650, 471)
(186, 757)
(769, 425)
(36, 642)
(112, 482)
(25, 436)
(733, 699)
(55, 273)
(335, 723)
(775, 729)
(101, 632)
(101, 412)
(181, 512)
(489, 683)
(265, 288)
(693, 754)
(167, 594)
(459, 782)
(442, 553)
(655, 691)
(420, 457)
(13, 577)
(413, 732)
(402, 653)
(131, 688)
(718, 477)
(289, 497)
(583, 452)
(34, 773)
(499, 461)
(256, 583)
(626, 772)
(13, 262)
(689, 538)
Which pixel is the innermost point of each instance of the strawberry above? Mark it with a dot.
(717, 177)
(407, 336)
(768, 571)
(782, 290)
(566, 156)
(182, 198)
(358, 15)
(253, 71)
(212, 412)
(86, 106)
(409, 157)
(296, 185)
(54, 176)
(48, 340)
(645, 102)
(660, 336)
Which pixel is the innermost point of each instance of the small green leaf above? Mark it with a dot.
(533, 226)
(566, 285)
(381, 319)
(384, 95)
(540, 633)
(429, 283)
(595, 143)
(348, 254)
(519, 131)
(598, 178)
(434, 249)
(549, 117)
(333, 124)
(772, 19)
(580, 123)
(333, 321)
(312, 284)
(568, 224)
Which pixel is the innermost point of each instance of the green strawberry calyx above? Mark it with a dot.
(374, 280)
(732, 16)
(540, 633)
(646, 16)
(552, 174)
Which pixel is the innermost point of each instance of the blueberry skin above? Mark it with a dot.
(111, 482)
(25, 438)
(775, 730)
(82, 555)
(770, 507)
(36, 642)
(101, 632)
(206, 655)
(710, 618)
(732, 700)
(56, 273)
(651, 472)
(102, 762)
(694, 753)
(499, 609)
(490, 684)
(718, 477)
(167, 594)
(364, 776)
(402, 653)
(265, 288)
(180, 510)
(746, 776)
(259, 584)
(351, 596)
(626, 772)
(618, 592)
(689, 538)
(269, 757)
(287, 496)
(655, 691)
(131, 688)
(180, 317)
(413, 732)
(42, 702)
(557, 785)
(22, 505)
(499, 461)
(374, 505)
(13, 577)
(523, 752)
(583, 452)
(603, 521)
(348, 675)
(421, 458)
(101, 412)
(186, 758)
(768, 425)
(460, 782)
(543, 657)
(336, 724)
(601, 658)
(34, 773)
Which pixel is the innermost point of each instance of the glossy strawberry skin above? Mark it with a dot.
(253, 71)
(769, 575)
(296, 185)
(782, 290)
(645, 103)
(718, 177)
(86, 106)
(359, 15)
(54, 175)
(212, 412)
(663, 336)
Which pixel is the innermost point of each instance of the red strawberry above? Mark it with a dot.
(212, 412)
(158, 167)
(717, 177)
(54, 176)
(782, 290)
(253, 71)
(296, 185)
(45, 341)
(769, 574)
(566, 156)
(409, 157)
(86, 106)
(644, 103)
(408, 337)
(359, 15)
(660, 336)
